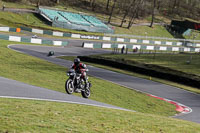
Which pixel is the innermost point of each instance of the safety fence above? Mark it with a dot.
(33, 40)
(184, 43)
(140, 47)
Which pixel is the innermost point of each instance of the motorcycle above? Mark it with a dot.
(76, 84)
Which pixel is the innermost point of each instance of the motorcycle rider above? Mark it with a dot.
(81, 69)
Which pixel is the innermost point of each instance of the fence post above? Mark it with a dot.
(126, 50)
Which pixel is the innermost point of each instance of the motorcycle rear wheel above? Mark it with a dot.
(69, 86)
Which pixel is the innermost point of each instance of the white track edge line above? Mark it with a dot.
(62, 101)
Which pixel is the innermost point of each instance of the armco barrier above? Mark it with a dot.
(105, 38)
(142, 47)
(33, 40)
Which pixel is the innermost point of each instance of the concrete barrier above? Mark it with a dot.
(57, 33)
(146, 41)
(106, 38)
(150, 48)
(142, 47)
(57, 43)
(4, 29)
(88, 45)
(158, 42)
(34, 40)
(76, 36)
(120, 39)
(121, 45)
(175, 48)
(168, 43)
(106, 45)
(15, 38)
(37, 31)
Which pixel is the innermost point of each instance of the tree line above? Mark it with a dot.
(129, 10)
(134, 9)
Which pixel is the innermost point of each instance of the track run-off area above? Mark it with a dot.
(185, 101)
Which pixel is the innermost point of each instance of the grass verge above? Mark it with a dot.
(183, 62)
(31, 20)
(39, 116)
(192, 89)
(41, 73)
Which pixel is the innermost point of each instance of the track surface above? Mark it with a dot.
(165, 91)
(14, 89)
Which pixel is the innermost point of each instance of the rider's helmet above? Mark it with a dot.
(76, 61)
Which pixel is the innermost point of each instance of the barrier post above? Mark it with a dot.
(126, 50)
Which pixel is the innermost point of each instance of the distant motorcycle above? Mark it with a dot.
(34, 36)
(76, 84)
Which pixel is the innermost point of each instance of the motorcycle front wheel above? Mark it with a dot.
(69, 86)
(86, 92)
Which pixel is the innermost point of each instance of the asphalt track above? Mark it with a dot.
(14, 89)
(168, 92)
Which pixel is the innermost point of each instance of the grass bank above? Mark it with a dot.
(39, 116)
(33, 21)
(30, 20)
(151, 56)
(41, 73)
(188, 63)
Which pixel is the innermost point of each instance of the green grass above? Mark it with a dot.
(189, 88)
(158, 31)
(39, 116)
(21, 19)
(30, 20)
(41, 73)
(194, 35)
(17, 5)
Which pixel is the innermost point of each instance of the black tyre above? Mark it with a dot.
(69, 86)
(86, 92)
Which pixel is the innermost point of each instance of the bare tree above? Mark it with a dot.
(91, 1)
(135, 10)
(153, 13)
(159, 4)
(38, 3)
(107, 5)
(111, 13)
(127, 10)
(93, 4)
